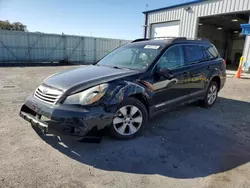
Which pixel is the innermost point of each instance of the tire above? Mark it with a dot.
(212, 91)
(126, 126)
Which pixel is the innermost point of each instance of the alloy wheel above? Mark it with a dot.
(212, 94)
(128, 120)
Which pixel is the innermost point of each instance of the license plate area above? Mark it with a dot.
(42, 126)
(35, 121)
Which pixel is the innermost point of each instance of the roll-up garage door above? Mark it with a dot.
(166, 29)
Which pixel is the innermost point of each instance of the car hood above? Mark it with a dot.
(85, 76)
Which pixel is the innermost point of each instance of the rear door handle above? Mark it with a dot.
(185, 74)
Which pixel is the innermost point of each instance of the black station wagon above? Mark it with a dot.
(127, 87)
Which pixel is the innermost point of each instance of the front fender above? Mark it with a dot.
(128, 89)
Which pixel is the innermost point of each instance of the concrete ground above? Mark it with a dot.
(186, 147)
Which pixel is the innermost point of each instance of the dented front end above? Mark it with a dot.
(77, 120)
(64, 119)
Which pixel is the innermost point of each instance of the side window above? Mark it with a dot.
(211, 52)
(194, 53)
(172, 58)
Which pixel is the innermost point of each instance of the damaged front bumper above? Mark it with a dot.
(64, 119)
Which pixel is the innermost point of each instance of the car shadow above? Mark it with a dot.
(186, 142)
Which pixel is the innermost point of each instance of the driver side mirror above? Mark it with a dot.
(166, 73)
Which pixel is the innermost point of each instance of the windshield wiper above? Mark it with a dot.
(123, 68)
(116, 67)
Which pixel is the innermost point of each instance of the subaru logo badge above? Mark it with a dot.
(45, 91)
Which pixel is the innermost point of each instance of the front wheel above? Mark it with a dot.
(130, 119)
(211, 95)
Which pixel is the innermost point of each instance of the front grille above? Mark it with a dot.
(47, 94)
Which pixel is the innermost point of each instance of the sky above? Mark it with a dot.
(99, 18)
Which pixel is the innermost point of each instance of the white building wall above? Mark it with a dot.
(189, 19)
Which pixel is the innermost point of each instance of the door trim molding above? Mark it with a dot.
(179, 98)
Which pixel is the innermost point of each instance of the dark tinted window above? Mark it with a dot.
(172, 58)
(211, 52)
(194, 53)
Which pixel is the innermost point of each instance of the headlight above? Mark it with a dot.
(88, 96)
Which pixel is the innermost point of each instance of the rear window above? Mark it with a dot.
(211, 52)
(194, 53)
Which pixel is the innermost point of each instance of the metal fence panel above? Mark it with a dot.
(89, 47)
(75, 48)
(39, 47)
(103, 46)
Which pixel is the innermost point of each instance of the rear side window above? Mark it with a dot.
(194, 54)
(211, 52)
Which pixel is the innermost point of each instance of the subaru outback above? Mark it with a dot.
(127, 87)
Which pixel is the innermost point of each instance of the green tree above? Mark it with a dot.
(5, 25)
(15, 26)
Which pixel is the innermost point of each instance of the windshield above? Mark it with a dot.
(131, 56)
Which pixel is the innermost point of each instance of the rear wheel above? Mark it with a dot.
(211, 95)
(130, 119)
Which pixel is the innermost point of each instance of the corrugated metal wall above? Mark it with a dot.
(189, 19)
(40, 47)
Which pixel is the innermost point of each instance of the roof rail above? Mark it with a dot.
(181, 39)
(163, 37)
(138, 40)
(204, 39)
(173, 39)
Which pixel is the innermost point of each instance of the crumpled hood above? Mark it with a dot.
(85, 76)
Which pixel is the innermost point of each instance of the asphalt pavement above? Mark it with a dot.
(186, 147)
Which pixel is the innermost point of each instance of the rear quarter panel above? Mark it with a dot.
(217, 68)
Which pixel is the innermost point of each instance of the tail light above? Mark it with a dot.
(224, 63)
